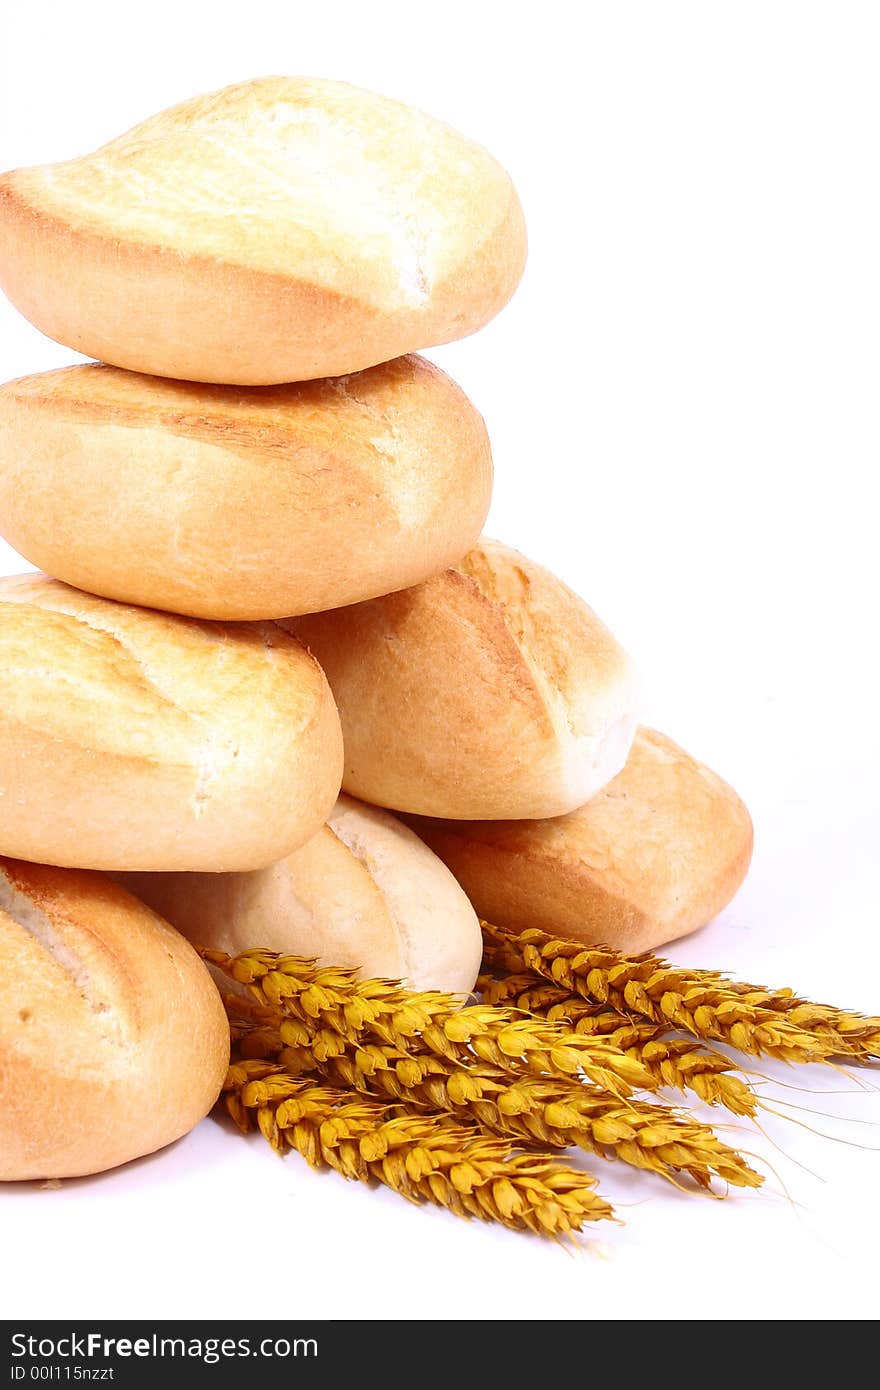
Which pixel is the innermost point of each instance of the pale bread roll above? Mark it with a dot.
(364, 892)
(656, 854)
(278, 230)
(132, 739)
(239, 504)
(113, 1039)
(490, 691)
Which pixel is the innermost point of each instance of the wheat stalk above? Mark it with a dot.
(555, 1111)
(703, 1003)
(423, 1158)
(536, 996)
(684, 1064)
(332, 999)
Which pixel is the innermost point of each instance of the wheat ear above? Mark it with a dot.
(557, 1112)
(416, 1023)
(684, 1064)
(553, 1112)
(425, 1158)
(703, 1003)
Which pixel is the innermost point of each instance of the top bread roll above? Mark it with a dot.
(489, 692)
(278, 230)
(132, 739)
(224, 502)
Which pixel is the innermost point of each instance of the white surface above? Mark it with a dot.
(683, 405)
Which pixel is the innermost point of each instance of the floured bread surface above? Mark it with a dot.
(242, 503)
(363, 892)
(656, 854)
(489, 691)
(319, 902)
(352, 191)
(130, 738)
(440, 939)
(113, 1039)
(353, 213)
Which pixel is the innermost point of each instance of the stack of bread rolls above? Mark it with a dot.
(272, 688)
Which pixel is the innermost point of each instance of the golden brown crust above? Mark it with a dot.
(133, 487)
(113, 1039)
(364, 892)
(280, 230)
(129, 738)
(655, 855)
(151, 310)
(573, 660)
(488, 691)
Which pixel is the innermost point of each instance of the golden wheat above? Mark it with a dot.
(557, 1112)
(515, 1106)
(423, 1158)
(333, 1002)
(684, 1064)
(703, 1003)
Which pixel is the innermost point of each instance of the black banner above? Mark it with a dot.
(132, 1354)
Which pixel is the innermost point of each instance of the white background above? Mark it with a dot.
(683, 404)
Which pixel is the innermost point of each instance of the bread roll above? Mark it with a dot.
(132, 739)
(228, 503)
(656, 854)
(363, 892)
(490, 691)
(113, 1039)
(278, 230)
